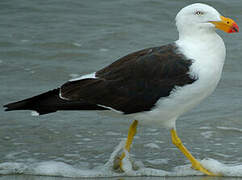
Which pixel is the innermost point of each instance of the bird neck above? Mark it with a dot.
(202, 44)
(196, 34)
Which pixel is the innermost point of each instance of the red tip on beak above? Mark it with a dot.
(234, 28)
(226, 24)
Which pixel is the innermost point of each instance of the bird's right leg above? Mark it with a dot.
(195, 163)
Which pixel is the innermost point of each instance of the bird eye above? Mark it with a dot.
(199, 13)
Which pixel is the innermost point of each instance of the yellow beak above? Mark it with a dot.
(226, 24)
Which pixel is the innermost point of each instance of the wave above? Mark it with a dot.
(131, 168)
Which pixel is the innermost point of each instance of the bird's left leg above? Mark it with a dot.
(195, 164)
(129, 140)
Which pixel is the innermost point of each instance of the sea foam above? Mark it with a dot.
(131, 167)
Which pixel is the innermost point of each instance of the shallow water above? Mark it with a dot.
(43, 44)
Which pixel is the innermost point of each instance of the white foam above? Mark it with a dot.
(229, 128)
(220, 168)
(73, 75)
(12, 168)
(110, 133)
(127, 165)
(152, 130)
(207, 134)
(34, 113)
(152, 145)
(24, 40)
(158, 161)
(103, 50)
(205, 127)
(131, 167)
(77, 44)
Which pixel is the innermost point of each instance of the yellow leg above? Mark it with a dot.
(195, 164)
(131, 134)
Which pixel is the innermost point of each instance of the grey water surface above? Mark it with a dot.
(45, 43)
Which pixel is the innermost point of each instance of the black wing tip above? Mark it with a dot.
(10, 107)
(6, 107)
(39, 112)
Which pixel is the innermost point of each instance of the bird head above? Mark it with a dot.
(202, 17)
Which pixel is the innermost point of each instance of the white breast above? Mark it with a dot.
(208, 59)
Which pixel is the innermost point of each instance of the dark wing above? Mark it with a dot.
(135, 82)
(50, 102)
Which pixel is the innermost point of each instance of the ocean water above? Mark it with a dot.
(45, 43)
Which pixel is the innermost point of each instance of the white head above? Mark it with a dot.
(198, 17)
